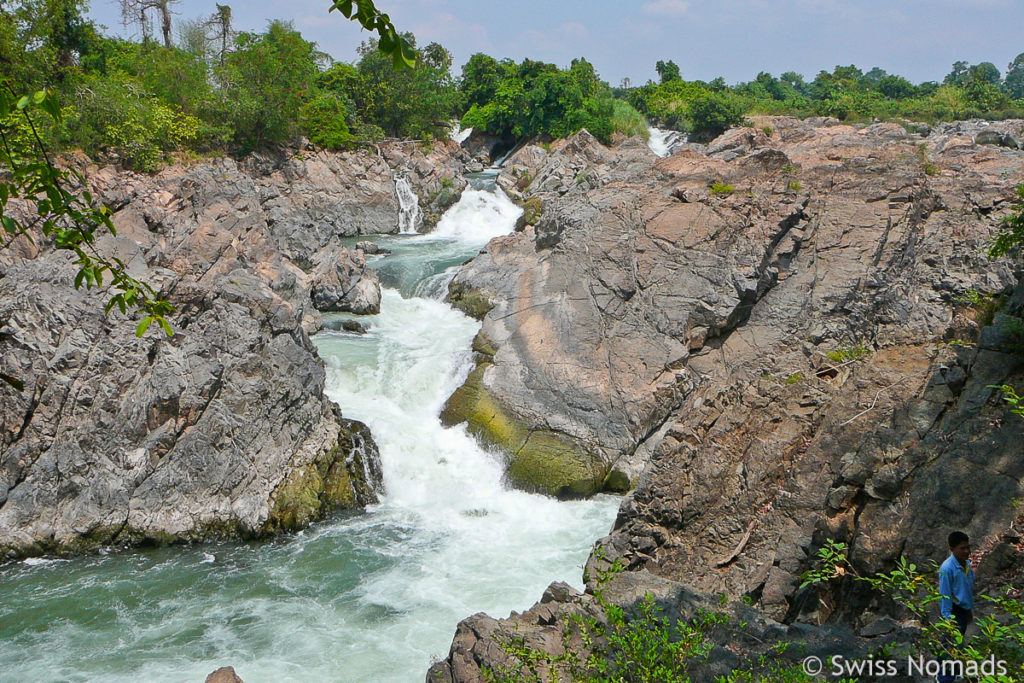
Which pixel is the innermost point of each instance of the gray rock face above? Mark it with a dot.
(775, 354)
(223, 429)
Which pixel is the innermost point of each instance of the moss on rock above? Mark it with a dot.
(336, 480)
(533, 209)
(472, 302)
(537, 459)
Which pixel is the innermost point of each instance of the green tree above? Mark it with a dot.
(266, 81)
(416, 102)
(667, 71)
(959, 74)
(537, 98)
(986, 72)
(895, 87)
(1013, 84)
(481, 76)
(875, 75)
(323, 119)
(41, 41)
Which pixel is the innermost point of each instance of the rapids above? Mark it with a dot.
(369, 597)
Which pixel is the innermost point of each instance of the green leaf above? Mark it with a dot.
(143, 326)
(165, 326)
(39, 96)
(345, 7)
(52, 107)
(23, 102)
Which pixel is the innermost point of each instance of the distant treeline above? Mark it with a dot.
(208, 89)
(847, 93)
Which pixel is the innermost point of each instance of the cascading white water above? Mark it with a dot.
(459, 136)
(470, 534)
(410, 216)
(664, 142)
(365, 597)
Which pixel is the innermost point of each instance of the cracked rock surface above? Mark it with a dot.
(223, 429)
(777, 340)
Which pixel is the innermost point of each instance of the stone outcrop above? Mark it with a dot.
(790, 338)
(225, 674)
(436, 173)
(739, 638)
(222, 429)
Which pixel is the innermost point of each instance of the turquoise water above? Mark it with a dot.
(360, 597)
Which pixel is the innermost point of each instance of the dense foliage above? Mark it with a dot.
(223, 91)
(517, 101)
(218, 90)
(846, 93)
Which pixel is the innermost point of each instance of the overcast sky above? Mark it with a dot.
(919, 39)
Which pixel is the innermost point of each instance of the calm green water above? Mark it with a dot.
(366, 597)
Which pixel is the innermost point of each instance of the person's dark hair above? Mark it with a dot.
(956, 538)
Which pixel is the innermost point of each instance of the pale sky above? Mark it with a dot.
(919, 39)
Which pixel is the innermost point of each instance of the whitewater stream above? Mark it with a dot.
(368, 597)
(664, 142)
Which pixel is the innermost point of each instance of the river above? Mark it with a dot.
(368, 597)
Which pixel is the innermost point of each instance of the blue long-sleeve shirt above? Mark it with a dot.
(956, 586)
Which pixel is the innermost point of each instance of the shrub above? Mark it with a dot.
(719, 187)
(714, 113)
(323, 120)
(117, 114)
(1001, 629)
(982, 305)
(627, 120)
(848, 353)
(639, 645)
(1011, 239)
(1015, 400)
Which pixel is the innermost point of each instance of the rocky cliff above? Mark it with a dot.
(222, 429)
(776, 339)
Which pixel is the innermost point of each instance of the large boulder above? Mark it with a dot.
(341, 282)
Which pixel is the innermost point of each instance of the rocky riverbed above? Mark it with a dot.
(788, 335)
(224, 429)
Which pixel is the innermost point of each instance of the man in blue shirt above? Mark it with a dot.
(956, 586)
(956, 582)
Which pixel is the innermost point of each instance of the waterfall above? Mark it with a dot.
(459, 136)
(665, 142)
(410, 216)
